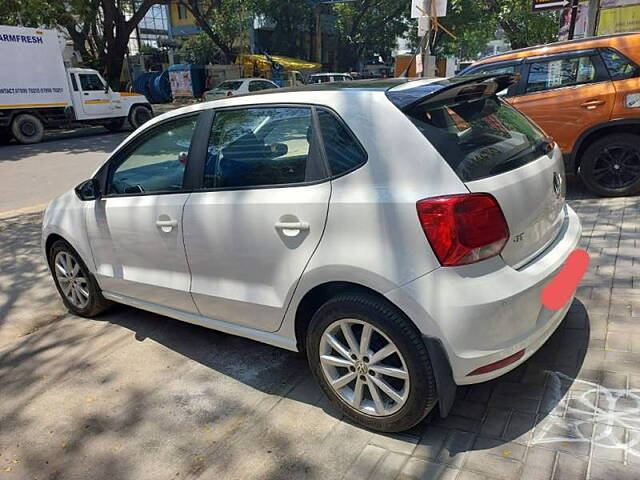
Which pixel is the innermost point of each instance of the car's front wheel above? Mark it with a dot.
(611, 165)
(371, 362)
(75, 283)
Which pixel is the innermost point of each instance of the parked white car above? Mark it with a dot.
(330, 77)
(399, 233)
(239, 86)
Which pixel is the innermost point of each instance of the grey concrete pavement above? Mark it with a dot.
(31, 175)
(132, 395)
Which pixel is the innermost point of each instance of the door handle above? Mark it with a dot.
(166, 225)
(86, 93)
(291, 229)
(591, 104)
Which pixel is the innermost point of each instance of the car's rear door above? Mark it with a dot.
(251, 230)
(495, 149)
(135, 229)
(566, 94)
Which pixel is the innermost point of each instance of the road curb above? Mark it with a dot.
(22, 211)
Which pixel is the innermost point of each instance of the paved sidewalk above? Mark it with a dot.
(132, 395)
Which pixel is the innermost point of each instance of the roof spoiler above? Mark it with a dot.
(452, 90)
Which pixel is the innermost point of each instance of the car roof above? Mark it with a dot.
(329, 73)
(566, 46)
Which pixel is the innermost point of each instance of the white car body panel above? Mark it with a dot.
(244, 269)
(135, 257)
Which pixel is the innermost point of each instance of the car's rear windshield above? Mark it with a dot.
(480, 138)
(229, 85)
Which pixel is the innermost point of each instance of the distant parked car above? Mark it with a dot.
(229, 88)
(330, 77)
(586, 95)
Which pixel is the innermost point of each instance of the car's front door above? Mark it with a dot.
(96, 99)
(135, 229)
(252, 230)
(566, 94)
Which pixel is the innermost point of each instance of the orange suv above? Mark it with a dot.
(586, 95)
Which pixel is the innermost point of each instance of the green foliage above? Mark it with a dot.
(522, 26)
(366, 27)
(198, 49)
(472, 25)
(30, 13)
(293, 19)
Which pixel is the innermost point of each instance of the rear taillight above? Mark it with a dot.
(463, 229)
(229, 93)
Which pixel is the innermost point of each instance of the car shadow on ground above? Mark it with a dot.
(501, 411)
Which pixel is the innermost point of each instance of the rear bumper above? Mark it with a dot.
(488, 311)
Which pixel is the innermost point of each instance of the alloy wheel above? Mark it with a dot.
(73, 284)
(364, 367)
(617, 166)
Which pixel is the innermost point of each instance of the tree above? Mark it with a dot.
(521, 25)
(199, 49)
(472, 25)
(222, 21)
(365, 27)
(292, 19)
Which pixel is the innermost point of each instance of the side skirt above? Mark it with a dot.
(246, 332)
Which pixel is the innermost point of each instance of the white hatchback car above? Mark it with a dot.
(240, 86)
(399, 232)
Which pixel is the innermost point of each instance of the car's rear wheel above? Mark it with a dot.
(371, 362)
(75, 283)
(610, 166)
(139, 115)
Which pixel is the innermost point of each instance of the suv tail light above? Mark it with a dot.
(463, 229)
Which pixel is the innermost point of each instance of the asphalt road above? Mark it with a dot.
(31, 175)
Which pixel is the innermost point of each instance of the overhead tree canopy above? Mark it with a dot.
(366, 27)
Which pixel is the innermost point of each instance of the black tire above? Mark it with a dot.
(422, 394)
(139, 115)
(115, 125)
(610, 166)
(27, 128)
(96, 303)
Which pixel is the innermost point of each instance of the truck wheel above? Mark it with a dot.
(371, 363)
(610, 166)
(27, 128)
(138, 115)
(114, 125)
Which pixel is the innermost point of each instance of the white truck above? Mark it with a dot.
(37, 91)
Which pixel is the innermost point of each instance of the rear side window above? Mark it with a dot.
(252, 147)
(619, 66)
(563, 72)
(480, 138)
(344, 153)
(229, 85)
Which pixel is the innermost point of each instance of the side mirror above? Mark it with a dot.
(89, 190)
(278, 150)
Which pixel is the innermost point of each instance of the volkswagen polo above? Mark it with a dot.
(399, 232)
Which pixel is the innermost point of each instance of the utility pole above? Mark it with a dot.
(574, 17)
(318, 35)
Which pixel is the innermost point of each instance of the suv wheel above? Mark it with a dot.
(611, 165)
(76, 285)
(371, 363)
